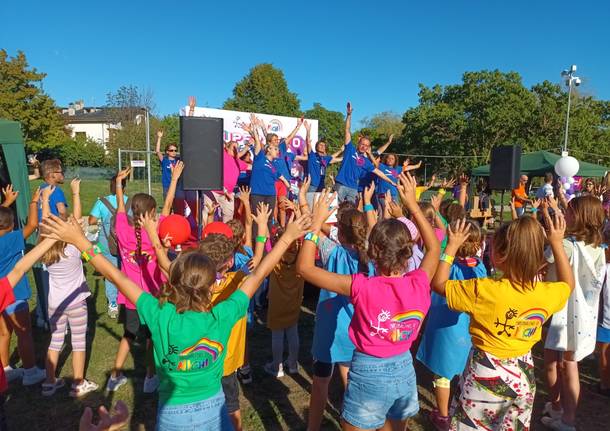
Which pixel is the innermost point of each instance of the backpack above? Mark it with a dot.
(113, 245)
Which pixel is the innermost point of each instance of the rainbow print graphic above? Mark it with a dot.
(214, 348)
(403, 324)
(535, 317)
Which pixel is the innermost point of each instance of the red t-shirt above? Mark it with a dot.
(6, 299)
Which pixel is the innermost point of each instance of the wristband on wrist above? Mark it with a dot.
(534, 210)
(312, 237)
(442, 191)
(261, 238)
(91, 252)
(447, 258)
(368, 207)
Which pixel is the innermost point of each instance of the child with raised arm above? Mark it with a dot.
(497, 387)
(388, 311)
(189, 333)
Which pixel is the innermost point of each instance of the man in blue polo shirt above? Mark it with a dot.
(356, 165)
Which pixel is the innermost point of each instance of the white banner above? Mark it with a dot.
(281, 126)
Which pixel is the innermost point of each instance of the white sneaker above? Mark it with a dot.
(115, 383)
(269, 369)
(549, 411)
(150, 384)
(113, 310)
(33, 375)
(556, 424)
(292, 369)
(12, 373)
(83, 388)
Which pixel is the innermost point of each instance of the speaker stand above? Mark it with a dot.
(502, 208)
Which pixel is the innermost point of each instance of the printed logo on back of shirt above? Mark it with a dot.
(399, 327)
(194, 357)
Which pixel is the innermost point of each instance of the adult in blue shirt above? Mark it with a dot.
(167, 161)
(355, 164)
(317, 162)
(102, 212)
(264, 172)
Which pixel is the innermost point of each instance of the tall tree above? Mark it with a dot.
(331, 125)
(264, 90)
(380, 126)
(22, 99)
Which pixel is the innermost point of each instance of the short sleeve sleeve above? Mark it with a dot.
(121, 226)
(358, 281)
(233, 308)
(327, 159)
(96, 211)
(368, 165)
(561, 292)
(148, 308)
(6, 293)
(461, 294)
(326, 246)
(60, 197)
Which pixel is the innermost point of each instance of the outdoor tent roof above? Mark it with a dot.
(539, 163)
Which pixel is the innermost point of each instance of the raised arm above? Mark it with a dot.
(71, 232)
(122, 175)
(46, 196)
(457, 235)
(294, 231)
(262, 226)
(406, 190)
(251, 130)
(32, 223)
(348, 124)
(158, 145)
(10, 196)
(335, 156)
(385, 146)
(192, 103)
(171, 191)
(28, 260)
(150, 225)
(371, 214)
(75, 187)
(463, 195)
(555, 234)
(306, 267)
(292, 134)
(244, 197)
(383, 176)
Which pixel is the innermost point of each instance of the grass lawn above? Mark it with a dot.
(267, 404)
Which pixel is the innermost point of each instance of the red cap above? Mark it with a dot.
(217, 227)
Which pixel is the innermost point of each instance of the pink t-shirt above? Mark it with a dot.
(144, 270)
(388, 312)
(67, 283)
(231, 166)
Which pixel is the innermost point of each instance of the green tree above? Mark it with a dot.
(380, 126)
(22, 99)
(264, 90)
(331, 125)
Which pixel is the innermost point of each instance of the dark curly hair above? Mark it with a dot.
(390, 246)
(218, 248)
(191, 277)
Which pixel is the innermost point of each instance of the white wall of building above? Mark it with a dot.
(98, 132)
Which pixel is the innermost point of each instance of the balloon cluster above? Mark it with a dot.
(567, 167)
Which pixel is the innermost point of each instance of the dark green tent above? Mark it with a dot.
(13, 167)
(538, 163)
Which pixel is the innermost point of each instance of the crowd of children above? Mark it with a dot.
(396, 275)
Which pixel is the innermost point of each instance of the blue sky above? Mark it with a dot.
(373, 53)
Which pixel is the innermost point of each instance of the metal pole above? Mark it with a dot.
(148, 153)
(565, 141)
(120, 163)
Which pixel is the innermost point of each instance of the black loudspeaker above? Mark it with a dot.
(201, 147)
(504, 171)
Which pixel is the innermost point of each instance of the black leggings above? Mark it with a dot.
(254, 201)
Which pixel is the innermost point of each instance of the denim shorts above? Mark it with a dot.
(345, 193)
(210, 415)
(380, 389)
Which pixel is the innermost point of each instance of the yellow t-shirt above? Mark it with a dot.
(505, 320)
(236, 346)
(285, 296)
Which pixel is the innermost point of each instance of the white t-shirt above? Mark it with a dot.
(67, 283)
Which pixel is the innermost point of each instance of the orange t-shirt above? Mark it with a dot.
(519, 192)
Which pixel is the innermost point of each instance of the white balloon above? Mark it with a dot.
(571, 180)
(567, 186)
(567, 166)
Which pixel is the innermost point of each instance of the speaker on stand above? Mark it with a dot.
(504, 170)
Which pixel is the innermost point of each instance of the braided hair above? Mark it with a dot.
(141, 203)
(352, 227)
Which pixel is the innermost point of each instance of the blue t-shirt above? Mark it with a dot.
(166, 170)
(353, 167)
(56, 197)
(12, 247)
(240, 260)
(284, 161)
(101, 212)
(316, 169)
(383, 186)
(264, 176)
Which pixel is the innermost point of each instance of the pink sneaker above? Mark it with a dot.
(441, 423)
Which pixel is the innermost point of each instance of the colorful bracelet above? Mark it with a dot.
(369, 207)
(261, 238)
(91, 252)
(313, 238)
(447, 258)
(534, 210)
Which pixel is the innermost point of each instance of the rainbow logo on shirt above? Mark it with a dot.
(214, 348)
(404, 324)
(531, 320)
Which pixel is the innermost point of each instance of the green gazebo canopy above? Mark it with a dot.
(13, 149)
(538, 163)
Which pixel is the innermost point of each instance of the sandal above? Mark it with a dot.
(49, 389)
(83, 388)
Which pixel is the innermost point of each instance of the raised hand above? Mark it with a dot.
(177, 170)
(305, 185)
(436, 201)
(192, 103)
(536, 203)
(262, 214)
(447, 184)
(458, 232)
(246, 127)
(406, 190)
(244, 194)
(149, 223)
(307, 125)
(369, 191)
(47, 192)
(68, 231)
(555, 228)
(10, 195)
(36, 195)
(349, 108)
(464, 180)
(323, 208)
(394, 209)
(391, 138)
(75, 186)
(296, 228)
(159, 134)
(121, 175)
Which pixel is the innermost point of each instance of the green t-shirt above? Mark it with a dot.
(190, 347)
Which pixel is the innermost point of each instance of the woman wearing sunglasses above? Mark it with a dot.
(167, 160)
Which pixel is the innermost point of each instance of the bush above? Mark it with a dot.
(75, 152)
